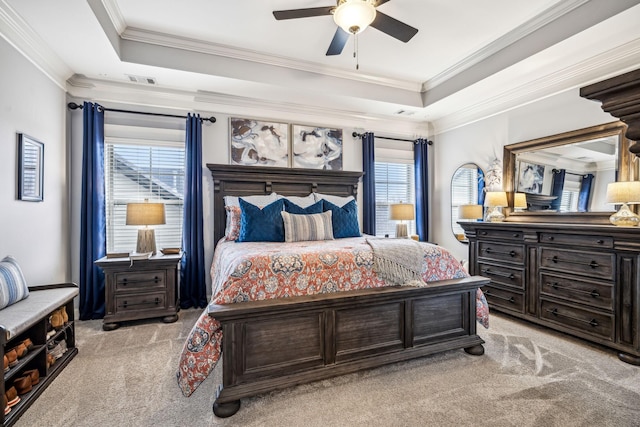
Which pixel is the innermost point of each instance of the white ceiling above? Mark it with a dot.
(468, 60)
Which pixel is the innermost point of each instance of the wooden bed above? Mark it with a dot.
(273, 344)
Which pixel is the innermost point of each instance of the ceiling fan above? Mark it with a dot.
(353, 16)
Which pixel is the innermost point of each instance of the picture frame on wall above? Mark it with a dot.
(255, 142)
(316, 147)
(530, 177)
(30, 169)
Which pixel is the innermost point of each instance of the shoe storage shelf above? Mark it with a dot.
(30, 323)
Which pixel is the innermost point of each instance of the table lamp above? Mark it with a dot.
(519, 202)
(145, 214)
(401, 212)
(495, 200)
(624, 192)
(470, 212)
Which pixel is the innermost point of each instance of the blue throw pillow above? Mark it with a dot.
(292, 208)
(344, 219)
(13, 287)
(261, 225)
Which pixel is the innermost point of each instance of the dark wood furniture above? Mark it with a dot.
(41, 302)
(141, 289)
(580, 279)
(279, 343)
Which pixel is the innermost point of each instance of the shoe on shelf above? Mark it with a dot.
(34, 374)
(65, 316)
(12, 356)
(6, 363)
(12, 397)
(23, 384)
(21, 350)
(28, 343)
(5, 405)
(50, 360)
(56, 320)
(59, 349)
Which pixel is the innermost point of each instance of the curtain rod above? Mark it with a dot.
(569, 173)
(74, 106)
(358, 135)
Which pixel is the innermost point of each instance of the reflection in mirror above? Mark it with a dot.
(467, 188)
(569, 172)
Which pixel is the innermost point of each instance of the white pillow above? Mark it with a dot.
(258, 200)
(300, 228)
(303, 202)
(336, 200)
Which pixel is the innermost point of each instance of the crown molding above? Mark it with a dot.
(26, 41)
(115, 15)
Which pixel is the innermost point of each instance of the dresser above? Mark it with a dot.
(579, 279)
(140, 289)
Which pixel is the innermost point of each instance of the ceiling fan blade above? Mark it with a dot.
(337, 44)
(303, 13)
(393, 27)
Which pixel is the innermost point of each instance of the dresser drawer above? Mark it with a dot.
(515, 235)
(501, 252)
(577, 240)
(140, 303)
(142, 279)
(513, 277)
(593, 264)
(596, 294)
(504, 298)
(591, 322)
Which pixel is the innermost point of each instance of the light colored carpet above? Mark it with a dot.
(527, 377)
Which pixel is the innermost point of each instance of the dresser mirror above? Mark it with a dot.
(568, 173)
(467, 188)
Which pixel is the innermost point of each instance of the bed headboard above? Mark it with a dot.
(234, 180)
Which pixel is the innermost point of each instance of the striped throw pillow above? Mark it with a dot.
(298, 228)
(13, 287)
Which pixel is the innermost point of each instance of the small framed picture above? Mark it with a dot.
(530, 178)
(30, 168)
(257, 142)
(317, 147)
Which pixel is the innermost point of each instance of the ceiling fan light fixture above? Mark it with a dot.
(354, 16)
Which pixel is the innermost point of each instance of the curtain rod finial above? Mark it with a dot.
(74, 106)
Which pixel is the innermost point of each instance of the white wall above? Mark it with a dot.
(35, 233)
(483, 141)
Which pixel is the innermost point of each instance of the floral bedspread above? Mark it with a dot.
(263, 270)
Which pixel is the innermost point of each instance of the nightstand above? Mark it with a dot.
(140, 290)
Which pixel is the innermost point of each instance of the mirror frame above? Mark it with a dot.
(625, 164)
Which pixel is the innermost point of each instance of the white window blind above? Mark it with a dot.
(138, 169)
(464, 191)
(394, 184)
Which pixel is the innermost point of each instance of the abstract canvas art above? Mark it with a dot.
(259, 143)
(530, 178)
(317, 147)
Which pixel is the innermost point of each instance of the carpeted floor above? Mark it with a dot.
(527, 377)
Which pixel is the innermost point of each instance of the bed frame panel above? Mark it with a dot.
(274, 344)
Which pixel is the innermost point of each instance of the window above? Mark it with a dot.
(570, 193)
(139, 169)
(394, 184)
(464, 191)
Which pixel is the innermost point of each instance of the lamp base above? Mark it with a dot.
(146, 241)
(401, 231)
(494, 215)
(624, 217)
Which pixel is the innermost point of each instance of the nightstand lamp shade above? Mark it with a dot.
(401, 212)
(519, 202)
(145, 214)
(495, 200)
(470, 212)
(625, 193)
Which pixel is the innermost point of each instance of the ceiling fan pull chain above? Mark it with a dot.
(355, 50)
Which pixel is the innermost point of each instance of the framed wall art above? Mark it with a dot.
(30, 168)
(257, 142)
(316, 147)
(530, 177)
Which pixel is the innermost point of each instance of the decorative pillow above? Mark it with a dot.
(13, 287)
(258, 200)
(336, 200)
(232, 231)
(298, 228)
(291, 207)
(261, 225)
(303, 202)
(344, 219)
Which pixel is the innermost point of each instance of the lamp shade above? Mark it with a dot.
(623, 192)
(401, 211)
(470, 211)
(145, 214)
(353, 16)
(496, 199)
(519, 200)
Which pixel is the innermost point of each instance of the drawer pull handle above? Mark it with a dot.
(156, 279)
(592, 322)
(510, 253)
(516, 235)
(499, 274)
(550, 238)
(484, 233)
(594, 293)
(555, 260)
(156, 301)
(600, 241)
(512, 300)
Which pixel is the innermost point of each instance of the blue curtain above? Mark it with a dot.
(556, 188)
(421, 171)
(481, 187)
(585, 192)
(193, 285)
(368, 184)
(93, 243)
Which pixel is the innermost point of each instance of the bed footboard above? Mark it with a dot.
(274, 344)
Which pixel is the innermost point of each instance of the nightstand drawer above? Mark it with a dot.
(596, 294)
(593, 264)
(586, 321)
(577, 240)
(512, 277)
(140, 303)
(143, 279)
(501, 252)
(503, 298)
(515, 235)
